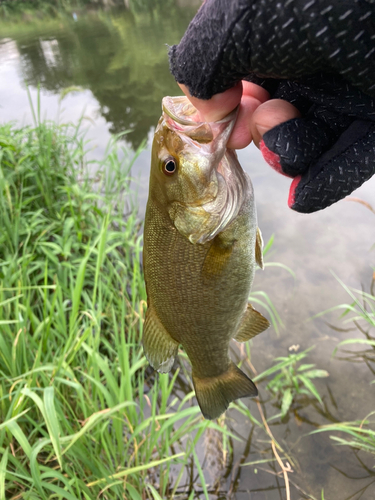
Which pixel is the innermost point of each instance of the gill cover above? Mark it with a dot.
(210, 186)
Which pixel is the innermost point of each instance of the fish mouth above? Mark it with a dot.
(182, 117)
(179, 108)
(182, 111)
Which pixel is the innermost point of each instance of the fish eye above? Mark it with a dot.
(169, 166)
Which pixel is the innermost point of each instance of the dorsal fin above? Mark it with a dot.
(259, 249)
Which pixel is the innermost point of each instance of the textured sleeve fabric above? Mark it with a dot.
(228, 40)
(317, 54)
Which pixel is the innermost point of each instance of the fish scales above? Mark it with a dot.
(200, 243)
(187, 300)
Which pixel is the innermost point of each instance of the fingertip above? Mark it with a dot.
(241, 135)
(254, 90)
(219, 106)
(184, 89)
(270, 114)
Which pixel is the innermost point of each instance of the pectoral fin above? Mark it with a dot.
(252, 324)
(217, 258)
(259, 249)
(159, 347)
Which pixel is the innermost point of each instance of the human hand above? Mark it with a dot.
(257, 114)
(318, 129)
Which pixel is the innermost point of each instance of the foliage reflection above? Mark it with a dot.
(121, 57)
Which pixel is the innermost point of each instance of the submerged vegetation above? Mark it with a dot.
(294, 379)
(360, 312)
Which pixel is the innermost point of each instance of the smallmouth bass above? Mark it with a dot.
(201, 246)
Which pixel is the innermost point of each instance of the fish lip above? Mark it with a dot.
(168, 106)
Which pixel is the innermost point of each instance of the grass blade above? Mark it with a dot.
(3, 468)
(134, 470)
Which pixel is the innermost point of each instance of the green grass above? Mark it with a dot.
(360, 434)
(292, 380)
(9, 9)
(360, 312)
(82, 415)
(26, 10)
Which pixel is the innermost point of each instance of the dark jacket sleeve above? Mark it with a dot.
(230, 40)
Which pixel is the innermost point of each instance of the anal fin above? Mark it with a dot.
(159, 347)
(252, 324)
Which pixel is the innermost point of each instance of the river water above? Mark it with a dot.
(115, 66)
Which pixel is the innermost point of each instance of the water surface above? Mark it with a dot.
(115, 67)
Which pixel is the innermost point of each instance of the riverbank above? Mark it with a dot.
(80, 410)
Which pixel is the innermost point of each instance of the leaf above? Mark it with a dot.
(91, 422)
(3, 469)
(67, 90)
(285, 362)
(305, 366)
(19, 435)
(286, 402)
(269, 244)
(201, 475)
(154, 492)
(283, 266)
(52, 422)
(133, 470)
(134, 494)
(7, 422)
(49, 415)
(60, 491)
(311, 387)
(316, 374)
(358, 341)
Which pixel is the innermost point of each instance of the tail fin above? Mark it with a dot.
(215, 393)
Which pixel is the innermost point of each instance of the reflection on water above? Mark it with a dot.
(120, 58)
(119, 62)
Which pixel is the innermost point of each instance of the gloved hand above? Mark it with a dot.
(320, 58)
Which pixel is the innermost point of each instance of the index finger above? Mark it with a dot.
(219, 106)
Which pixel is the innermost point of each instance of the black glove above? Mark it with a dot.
(318, 56)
